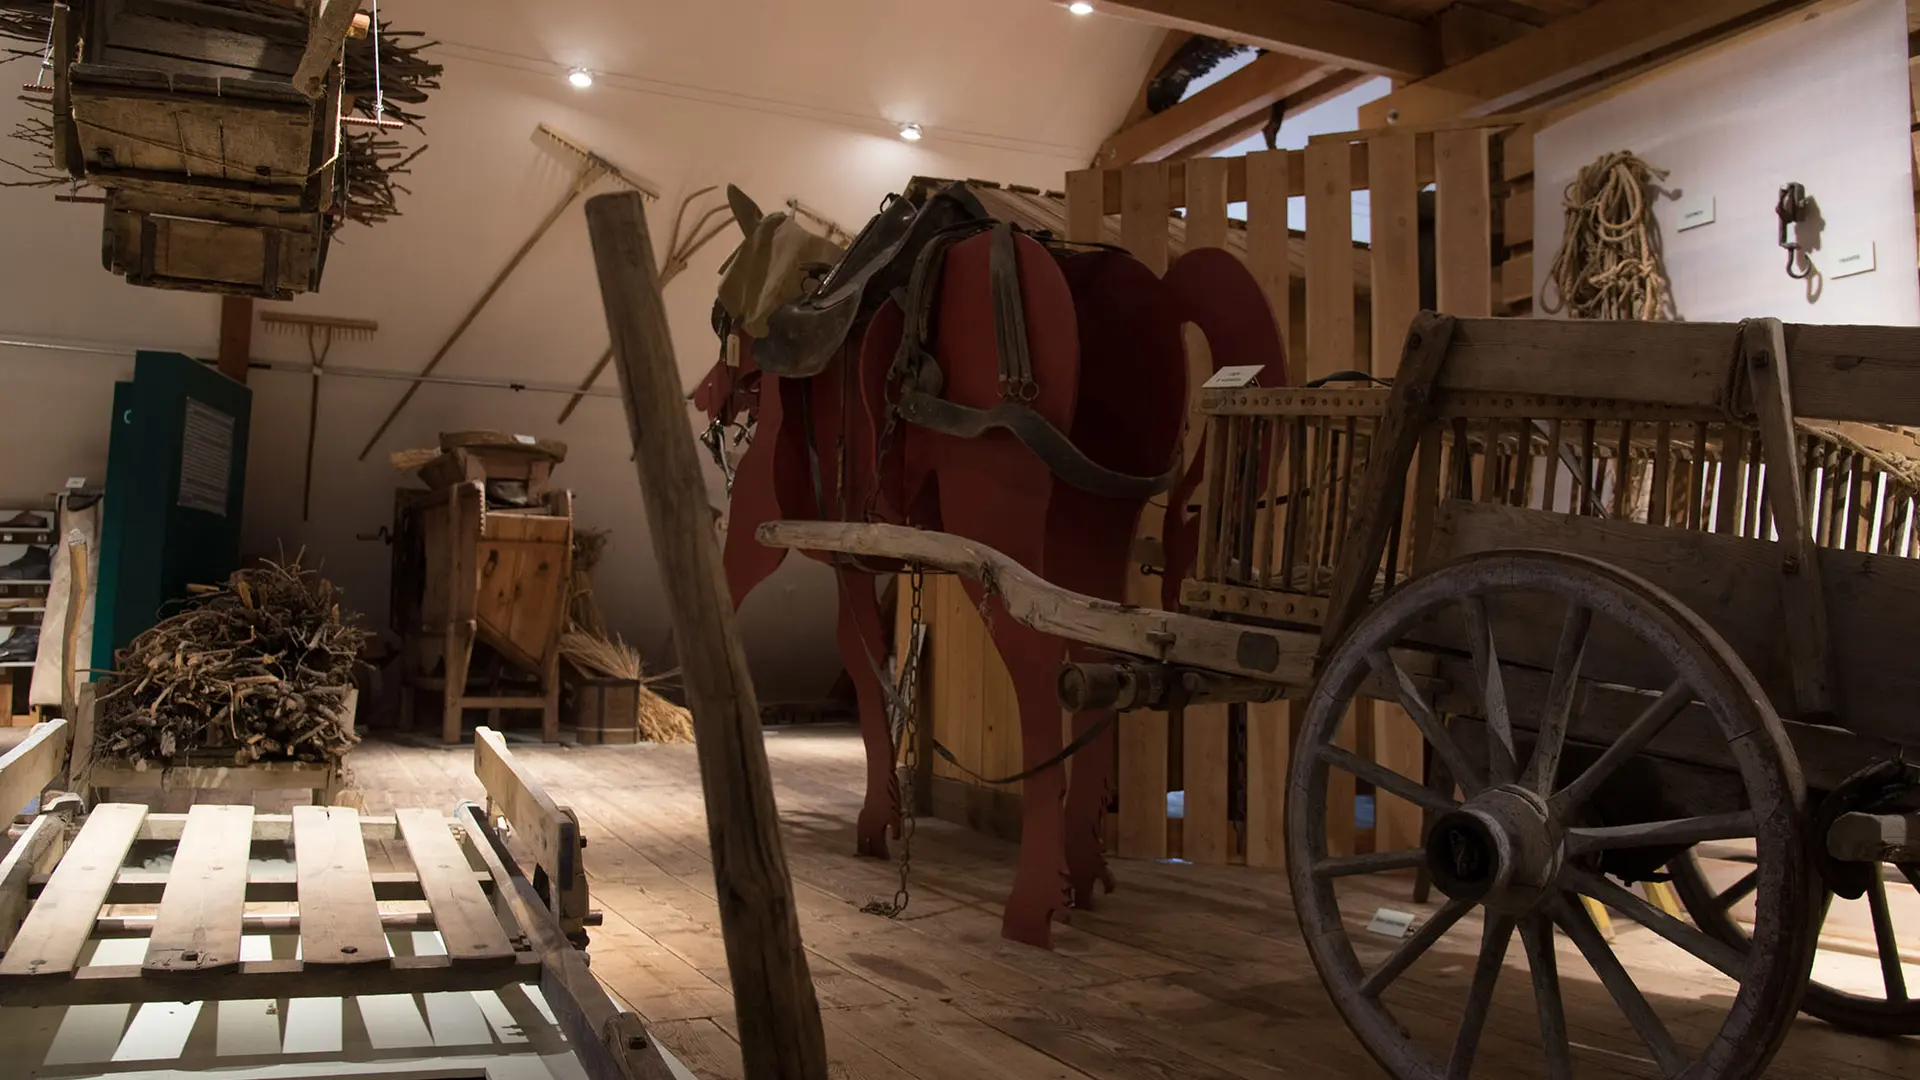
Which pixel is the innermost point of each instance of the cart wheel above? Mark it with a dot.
(1892, 1012)
(1522, 849)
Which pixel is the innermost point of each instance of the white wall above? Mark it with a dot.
(1824, 103)
(787, 100)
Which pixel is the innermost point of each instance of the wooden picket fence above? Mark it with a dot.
(1231, 761)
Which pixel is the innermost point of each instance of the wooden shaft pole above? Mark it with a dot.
(779, 1019)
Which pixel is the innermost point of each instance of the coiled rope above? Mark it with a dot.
(1609, 263)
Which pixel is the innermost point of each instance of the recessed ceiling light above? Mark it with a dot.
(1080, 7)
(581, 78)
(910, 132)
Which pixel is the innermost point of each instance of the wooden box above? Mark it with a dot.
(606, 710)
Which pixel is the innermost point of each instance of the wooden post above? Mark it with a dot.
(779, 1019)
(236, 336)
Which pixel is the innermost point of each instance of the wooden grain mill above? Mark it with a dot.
(484, 554)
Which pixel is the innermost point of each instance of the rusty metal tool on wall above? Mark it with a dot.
(592, 169)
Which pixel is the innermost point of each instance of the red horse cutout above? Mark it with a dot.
(1027, 395)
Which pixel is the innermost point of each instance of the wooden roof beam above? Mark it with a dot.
(1329, 87)
(1249, 93)
(1170, 44)
(1563, 55)
(1325, 31)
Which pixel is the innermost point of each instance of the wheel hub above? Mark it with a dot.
(1500, 849)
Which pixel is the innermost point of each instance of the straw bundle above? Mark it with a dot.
(591, 649)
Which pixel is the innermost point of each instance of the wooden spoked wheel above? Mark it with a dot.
(1842, 988)
(1525, 842)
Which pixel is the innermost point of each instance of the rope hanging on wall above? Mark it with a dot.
(1609, 266)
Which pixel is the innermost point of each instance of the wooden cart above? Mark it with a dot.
(1639, 590)
(62, 873)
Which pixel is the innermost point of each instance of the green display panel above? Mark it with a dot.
(176, 477)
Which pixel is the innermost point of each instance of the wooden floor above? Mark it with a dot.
(1185, 971)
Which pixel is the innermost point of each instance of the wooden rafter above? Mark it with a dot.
(1567, 55)
(1248, 93)
(1322, 30)
(1170, 44)
(1329, 86)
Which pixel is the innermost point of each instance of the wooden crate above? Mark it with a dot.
(606, 710)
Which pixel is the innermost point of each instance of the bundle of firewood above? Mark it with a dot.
(259, 669)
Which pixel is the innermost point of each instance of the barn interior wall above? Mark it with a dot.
(1823, 103)
(1018, 92)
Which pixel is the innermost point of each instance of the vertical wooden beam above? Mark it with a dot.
(1330, 319)
(779, 1017)
(1270, 182)
(1086, 213)
(1206, 203)
(1395, 300)
(1463, 222)
(1396, 246)
(1142, 742)
(236, 336)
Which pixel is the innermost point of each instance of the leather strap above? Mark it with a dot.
(1009, 317)
(1047, 442)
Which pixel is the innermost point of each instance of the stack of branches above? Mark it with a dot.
(593, 651)
(369, 160)
(258, 669)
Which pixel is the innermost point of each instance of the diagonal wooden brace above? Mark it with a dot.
(1763, 360)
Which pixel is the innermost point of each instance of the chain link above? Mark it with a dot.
(907, 701)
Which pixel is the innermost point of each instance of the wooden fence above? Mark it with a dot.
(1231, 761)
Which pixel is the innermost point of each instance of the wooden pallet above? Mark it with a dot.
(60, 874)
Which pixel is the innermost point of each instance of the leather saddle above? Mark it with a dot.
(803, 335)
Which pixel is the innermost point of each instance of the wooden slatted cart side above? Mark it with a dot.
(1639, 445)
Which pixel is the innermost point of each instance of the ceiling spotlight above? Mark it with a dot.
(581, 78)
(910, 132)
(1080, 7)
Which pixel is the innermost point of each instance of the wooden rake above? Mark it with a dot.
(320, 331)
(590, 169)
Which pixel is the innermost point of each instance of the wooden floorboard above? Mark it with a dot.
(1184, 971)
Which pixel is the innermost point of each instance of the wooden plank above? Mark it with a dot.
(461, 912)
(1463, 242)
(258, 980)
(236, 336)
(1206, 836)
(1330, 314)
(1397, 745)
(331, 20)
(30, 767)
(1516, 279)
(1111, 182)
(61, 920)
(1322, 30)
(200, 913)
(1270, 181)
(34, 853)
(1763, 350)
(1516, 212)
(1143, 214)
(1395, 298)
(1561, 55)
(773, 993)
(538, 822)
(1251, 91)
(1735, 585)
(1207, 203)
(1086, 215)
(1269, 754)
(339, 920)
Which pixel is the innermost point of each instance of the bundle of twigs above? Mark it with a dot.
(589, 647)
(257, 670)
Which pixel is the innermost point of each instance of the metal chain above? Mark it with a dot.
(908, 724)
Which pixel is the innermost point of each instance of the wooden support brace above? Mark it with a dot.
(332, 19)
(1408, 411)
(1763, 356)
(774, 1000)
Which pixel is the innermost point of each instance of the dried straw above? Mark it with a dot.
(592, 650)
